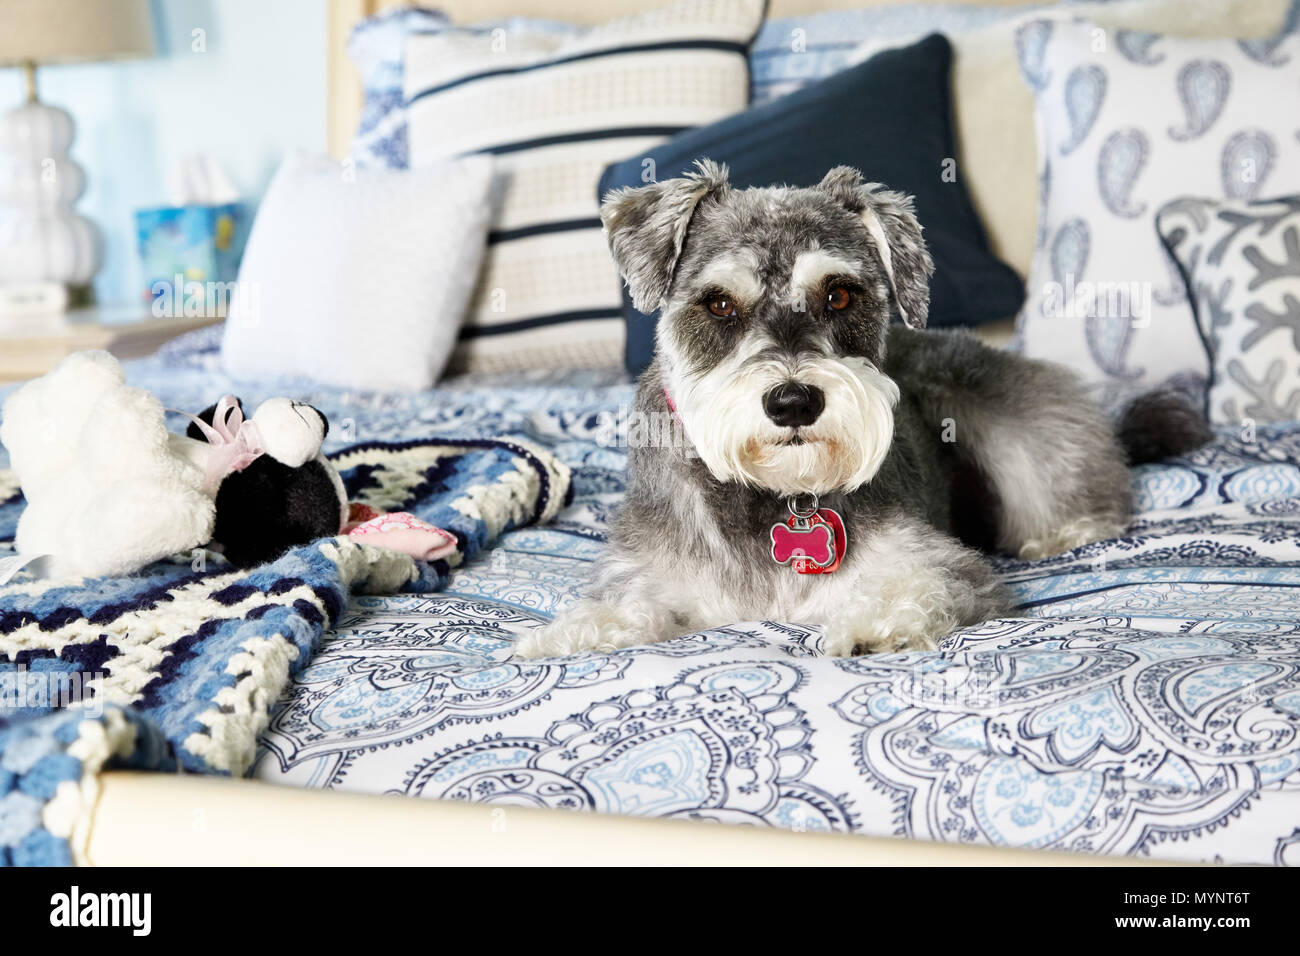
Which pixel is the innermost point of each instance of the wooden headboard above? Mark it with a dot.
(345, 87)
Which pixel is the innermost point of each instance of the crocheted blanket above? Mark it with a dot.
(178, 666)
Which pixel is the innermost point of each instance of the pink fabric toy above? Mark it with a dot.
(399, 531)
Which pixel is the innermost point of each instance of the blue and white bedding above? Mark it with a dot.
(1146, 702)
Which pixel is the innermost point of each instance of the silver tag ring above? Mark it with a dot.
(793, 503)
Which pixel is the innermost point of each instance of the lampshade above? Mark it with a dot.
(64, 31)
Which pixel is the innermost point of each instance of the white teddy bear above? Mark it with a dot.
(109, 489)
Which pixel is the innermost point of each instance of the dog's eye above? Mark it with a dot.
(838, 298)
(722, 306)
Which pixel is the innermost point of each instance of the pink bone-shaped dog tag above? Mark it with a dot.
(816, 543)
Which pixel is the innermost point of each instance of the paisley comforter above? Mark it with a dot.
(1146, 700)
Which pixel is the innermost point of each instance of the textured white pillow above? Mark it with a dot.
(1127, 122)
(359, 278)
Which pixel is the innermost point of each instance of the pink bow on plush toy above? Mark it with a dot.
(236, 442)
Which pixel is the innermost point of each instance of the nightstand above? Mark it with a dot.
(32, 346)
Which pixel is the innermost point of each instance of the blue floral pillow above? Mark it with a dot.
(377, 48)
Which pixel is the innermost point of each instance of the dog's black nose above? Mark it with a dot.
(794, 403)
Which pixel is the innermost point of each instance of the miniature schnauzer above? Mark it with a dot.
(837, 471)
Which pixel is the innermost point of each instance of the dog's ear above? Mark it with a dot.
(890, 220)
(647, 225)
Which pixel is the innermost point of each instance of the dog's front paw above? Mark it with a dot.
(591, 625)
(876, 637)
(911, 615)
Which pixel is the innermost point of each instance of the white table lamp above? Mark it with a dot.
(42, 239)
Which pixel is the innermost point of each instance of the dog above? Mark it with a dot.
(836, 470)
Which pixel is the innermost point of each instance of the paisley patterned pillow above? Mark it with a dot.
(1127, 122)
(1241, 263)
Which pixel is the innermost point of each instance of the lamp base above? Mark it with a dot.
(42, 238)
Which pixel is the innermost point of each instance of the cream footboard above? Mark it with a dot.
(170, 820)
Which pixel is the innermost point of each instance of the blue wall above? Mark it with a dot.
(258, 91)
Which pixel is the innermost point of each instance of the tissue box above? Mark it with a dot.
(190, 256)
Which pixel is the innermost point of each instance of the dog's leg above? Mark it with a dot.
(911, 587)
(1060, 480)
(633, 600)
(593, 624)
(1047, 454)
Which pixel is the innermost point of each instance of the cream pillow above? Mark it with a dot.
(995, 110)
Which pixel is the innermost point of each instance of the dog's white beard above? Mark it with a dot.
(722, 411)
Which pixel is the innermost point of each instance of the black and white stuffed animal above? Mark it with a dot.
(110, 490)
(288, 496)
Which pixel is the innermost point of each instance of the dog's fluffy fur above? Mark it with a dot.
(930, 445)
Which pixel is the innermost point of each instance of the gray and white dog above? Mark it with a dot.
(794, 393)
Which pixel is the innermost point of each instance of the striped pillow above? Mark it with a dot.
(555, 111)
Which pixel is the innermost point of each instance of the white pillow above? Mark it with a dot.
(359, 278)
(1126, 123)
(555, 111)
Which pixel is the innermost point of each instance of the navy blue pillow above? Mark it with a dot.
(890, 117)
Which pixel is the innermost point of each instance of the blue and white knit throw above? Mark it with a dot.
(179, 666)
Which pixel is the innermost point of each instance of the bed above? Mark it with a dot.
(1145, 703)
